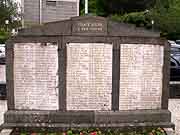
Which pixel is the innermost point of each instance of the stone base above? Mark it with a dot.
(88, 119)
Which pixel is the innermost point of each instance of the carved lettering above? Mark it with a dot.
(85, 27)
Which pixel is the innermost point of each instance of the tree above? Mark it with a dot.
(165, 13)
(140, 19)
(167, 18)
(8, 11)
(109, 7)
(128, 6)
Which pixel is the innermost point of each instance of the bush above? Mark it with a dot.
(137, 18)
(96, 131)
(4, 36)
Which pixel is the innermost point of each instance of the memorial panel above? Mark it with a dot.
(141, 76)
(89, 76)
(36, 76)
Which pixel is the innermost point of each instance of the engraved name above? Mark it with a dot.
(89, 27)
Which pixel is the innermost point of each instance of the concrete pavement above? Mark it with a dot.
(3, 109)
(174, 107)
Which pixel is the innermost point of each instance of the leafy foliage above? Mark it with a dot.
(167, 18)
(92, 7)
(165, 13)
(3, 36)
(109, 7)
(127, 6)
(96, 131)
(8, 11)
(140, 19)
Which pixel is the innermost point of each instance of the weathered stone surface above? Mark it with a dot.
(89, 76)
(90, 117)
(2, 73)
(97, 88)
(140, 76)
(135, 119)
(36, 76)
(174, 107)
(89, 26)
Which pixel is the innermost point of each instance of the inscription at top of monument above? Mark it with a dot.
(89, 27)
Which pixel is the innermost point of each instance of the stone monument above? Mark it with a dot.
(87, 72)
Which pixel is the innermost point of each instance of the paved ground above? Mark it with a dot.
(174, 107)
(3, 108)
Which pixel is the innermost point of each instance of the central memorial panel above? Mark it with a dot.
(89, 76)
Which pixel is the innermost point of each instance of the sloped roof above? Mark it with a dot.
(87, 25)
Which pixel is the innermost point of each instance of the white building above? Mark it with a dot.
(43, 11)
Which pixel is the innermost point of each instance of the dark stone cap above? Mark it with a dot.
(87, 25)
